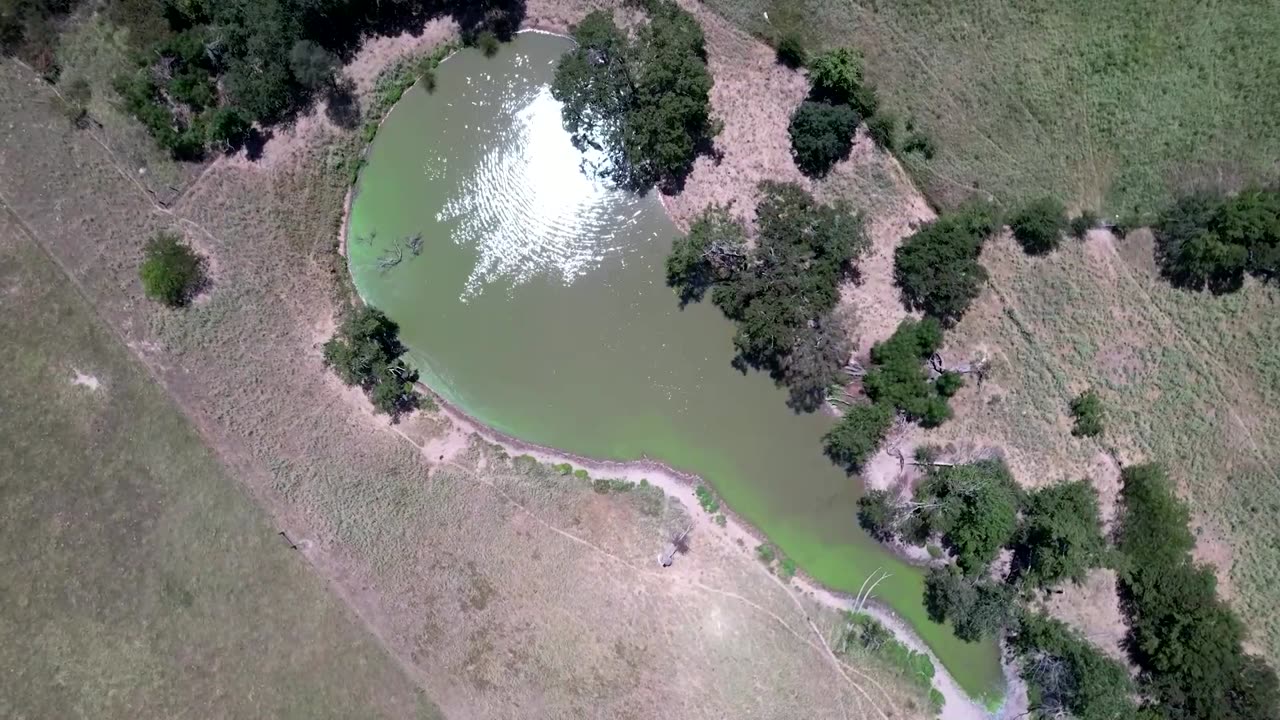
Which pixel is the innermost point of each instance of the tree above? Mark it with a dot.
(1061, 536)
(819, 354)
(228, 127)
(791, 51)
(937, 267)
(1083, 223)
(1207, 241)
(1038, 225)
(836, 75)
(975, 509)
(976, 608)
(857, 435)
(312, 65)
(366, 352)
(821, 136)
(883, 129)
(1086, 408)
(1069, 676)
(880, 514)
(1152, 530)
(645, 101)
(897, 377)
(171, 272)
(714, 249)
(488, 43)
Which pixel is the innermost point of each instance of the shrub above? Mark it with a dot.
(1083, 223)
(920, 143)
(706, 499)
(897, 377)
(791, 51)
(937, 267)
(312, 65)
(171, 272)
(366, 352)
(228, 127)
(1086, 408)
(766, 553)
(582, 474)
(836, 75)
(821, 136)
(857, 435)
(883, 129)
(1068, 676)
(948, 383)
(1038, 225)
(488, 43)
(1061, 535)
(786, 568)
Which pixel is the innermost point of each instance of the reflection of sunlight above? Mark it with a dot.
(529, 208)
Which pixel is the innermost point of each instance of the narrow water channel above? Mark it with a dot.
(538, 306)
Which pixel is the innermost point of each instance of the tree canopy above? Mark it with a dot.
(897, 376)
(974, 507)
(366, 352)
(171, 272)
(858, 434)
(1066, 675)
(780, 292)
(937, 268)
(644, 102)
(1086, 409)
(1038, 225)
(1210, 241)
(1061, 536)
(821, 135)
(976, 607)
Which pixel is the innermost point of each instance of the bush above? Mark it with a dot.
(488, 43)
(948, 383)
(836, 75)
(1083, 223)
(1061, 535)
(706, 499)
(366, 352)
(1038, 225)
(766, 553)
(228, 127)
(791, 51)
(883, 129)
(897, 377)
(1086, 408)
(821, 136)
(1207, 241)
(937, 267)
(171, 272)
(857, 435)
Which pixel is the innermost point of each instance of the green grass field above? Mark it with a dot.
(137, 580)
(1107, 105)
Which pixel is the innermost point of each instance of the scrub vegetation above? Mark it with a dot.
(171, 272)
(366, 352)
(1211, 241)
(781, 290)
(644, 101)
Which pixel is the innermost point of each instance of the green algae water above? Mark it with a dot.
(537, 304)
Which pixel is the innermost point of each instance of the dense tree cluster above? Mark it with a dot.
(644, 101)
(171, 272)
(1060, 536)
(366, 352)
(1210, 241)
(937, 268)
(206, 72)
(1186, 641)
(976, 607)
(1038, 225)
(781, 291)
(1067, 676)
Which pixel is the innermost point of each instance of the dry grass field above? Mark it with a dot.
(1108, 105)
(139, 580)
(498, 584)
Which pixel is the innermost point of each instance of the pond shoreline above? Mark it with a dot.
(681, 486)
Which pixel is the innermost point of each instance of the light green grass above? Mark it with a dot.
(1108, 105)
(138, 580)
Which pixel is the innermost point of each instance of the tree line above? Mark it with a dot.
(1185, 641)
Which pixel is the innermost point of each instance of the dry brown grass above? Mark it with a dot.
(497, 584)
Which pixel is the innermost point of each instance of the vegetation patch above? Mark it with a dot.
(707, 499)
(864, 635)
(1086, 410)
(172, 273)
(1038, 225)
(366, 352)
(1211, 241)
(937, 266)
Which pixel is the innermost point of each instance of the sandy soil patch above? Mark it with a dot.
(83, 380)
(1093, 608)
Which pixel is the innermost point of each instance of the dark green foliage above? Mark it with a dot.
(645, 100)
(29, 31)
(821, 135)
(791, 51)
(1208, 241)
(918, 142)
(974, 507)
(488, 43)
(976, 608)
(714, 249)
(366, 352)
(1038, 225)
(1086, 408)
(1066, 675)
(836, 75)
(1061, 535)
(858, 434)
(880, 515)
(897, 377)
(1186, 641)
(937, 267)
(171, 272)
(948, 383)
(781, 292)
(312, 65)
(1083, 223)
(228, 127)
(883, 129)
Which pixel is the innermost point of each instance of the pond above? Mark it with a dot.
(537, 305)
